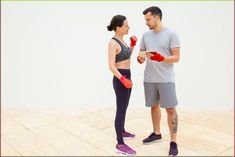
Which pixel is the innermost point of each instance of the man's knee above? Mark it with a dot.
(170, 111)
(155, 107)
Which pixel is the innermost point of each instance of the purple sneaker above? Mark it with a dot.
(128, 135)
(124, 149)
(173, 149)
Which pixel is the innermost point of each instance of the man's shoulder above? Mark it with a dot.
(167, 29)
(147, 32)
(170, 31)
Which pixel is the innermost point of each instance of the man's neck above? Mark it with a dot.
(159, 27)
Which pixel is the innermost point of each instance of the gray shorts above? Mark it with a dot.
(160, 93)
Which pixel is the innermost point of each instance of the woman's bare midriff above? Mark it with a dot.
(123, 64)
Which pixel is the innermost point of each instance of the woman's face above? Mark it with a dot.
(124, 28)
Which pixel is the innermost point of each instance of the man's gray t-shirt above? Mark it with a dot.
(162, 42)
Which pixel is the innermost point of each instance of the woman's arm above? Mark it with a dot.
(112, 54)
(133, 40)
(111, 59)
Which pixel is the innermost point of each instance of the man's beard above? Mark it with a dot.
(151, 27)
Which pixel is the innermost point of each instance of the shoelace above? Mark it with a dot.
(129, 148)
(152, 135)
(173, 145)
(127, 133)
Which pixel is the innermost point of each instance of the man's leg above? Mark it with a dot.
(168, 100)
(172, 119)
(156, 118)
(152, 100)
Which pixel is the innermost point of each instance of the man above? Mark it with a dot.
(163, 49)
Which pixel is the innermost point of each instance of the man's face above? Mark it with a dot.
(151, 20)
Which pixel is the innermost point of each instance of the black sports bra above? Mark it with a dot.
(125, 52)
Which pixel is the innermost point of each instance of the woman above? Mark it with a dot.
(119, 64)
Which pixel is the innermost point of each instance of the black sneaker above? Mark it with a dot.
(152, 138)
(173, 149)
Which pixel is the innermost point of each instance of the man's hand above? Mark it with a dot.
(140, 59)
(155, 56)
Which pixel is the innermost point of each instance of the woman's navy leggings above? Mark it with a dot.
(122, 101)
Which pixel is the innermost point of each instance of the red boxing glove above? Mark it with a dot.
(157, 57)
(133, 40)
(140, 60)
(127, 83)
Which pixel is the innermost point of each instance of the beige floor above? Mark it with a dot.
(90, 131)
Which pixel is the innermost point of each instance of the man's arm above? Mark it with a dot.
(175, 56)
(141, 59)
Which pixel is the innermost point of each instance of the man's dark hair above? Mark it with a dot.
(154, 11)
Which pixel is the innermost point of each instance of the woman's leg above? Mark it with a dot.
(122, 100)
(122, 95)
(127, 103)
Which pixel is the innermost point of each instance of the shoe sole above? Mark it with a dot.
(173, 155)
(156, 141)
(121, 152)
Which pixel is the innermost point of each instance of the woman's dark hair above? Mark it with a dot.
(117, 21)
(154, 11)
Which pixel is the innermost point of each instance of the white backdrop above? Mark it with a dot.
(55, 53)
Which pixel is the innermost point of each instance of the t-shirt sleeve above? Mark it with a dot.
(142, 43)
(175, 40)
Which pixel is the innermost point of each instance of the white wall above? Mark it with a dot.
(55, 53)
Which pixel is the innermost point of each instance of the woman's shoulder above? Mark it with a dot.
(113, 43)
